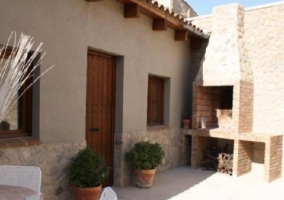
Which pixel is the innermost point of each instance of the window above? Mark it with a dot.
(18, 121)
(155, 112)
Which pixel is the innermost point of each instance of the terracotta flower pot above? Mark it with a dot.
(144, 178)
(92, 193)
(186, 123)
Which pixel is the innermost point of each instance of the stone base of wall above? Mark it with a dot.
(52, 159)
(173, 142)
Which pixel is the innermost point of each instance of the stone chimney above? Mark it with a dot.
(225, 60)
(223, 87)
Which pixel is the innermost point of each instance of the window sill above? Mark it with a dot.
(157, 128)
(18, 142)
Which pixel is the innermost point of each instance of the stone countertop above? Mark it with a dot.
(228, 134)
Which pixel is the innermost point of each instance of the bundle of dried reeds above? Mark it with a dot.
(15, 71)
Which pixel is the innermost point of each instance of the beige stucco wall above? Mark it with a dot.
(68, 28)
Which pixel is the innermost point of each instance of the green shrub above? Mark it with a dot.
(145, 155)
(87, 169)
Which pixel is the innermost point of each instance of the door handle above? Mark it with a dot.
(95, 129)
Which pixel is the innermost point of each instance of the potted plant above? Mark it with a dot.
(186, 121)
(145, 157)
(87, 171)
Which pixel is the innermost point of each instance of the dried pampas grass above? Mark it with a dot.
(16, 70)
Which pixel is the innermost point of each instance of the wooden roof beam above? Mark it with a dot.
(93, 0)
(181, 35)
(153, 12)
(159, 24)
(131, 10)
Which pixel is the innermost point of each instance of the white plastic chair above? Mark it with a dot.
(24, 176)
(108, 194)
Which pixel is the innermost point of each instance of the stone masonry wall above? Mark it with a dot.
(170, 139)
(52, 159)
(264, 37)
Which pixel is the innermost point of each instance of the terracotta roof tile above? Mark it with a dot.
(175, 15)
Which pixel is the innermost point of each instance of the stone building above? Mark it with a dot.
(109, 55)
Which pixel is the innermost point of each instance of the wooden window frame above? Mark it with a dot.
(25, 106)
(160, 96)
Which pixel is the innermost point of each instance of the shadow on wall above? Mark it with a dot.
(197, 59)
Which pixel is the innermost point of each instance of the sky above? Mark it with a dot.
(204, 7)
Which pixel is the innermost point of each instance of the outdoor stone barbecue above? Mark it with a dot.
(223, 93)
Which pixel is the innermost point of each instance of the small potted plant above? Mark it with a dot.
(87, 171)
(186, 121)
(145, 157)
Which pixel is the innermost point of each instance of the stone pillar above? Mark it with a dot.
(242, 157)
(273, 158)
(245, 107)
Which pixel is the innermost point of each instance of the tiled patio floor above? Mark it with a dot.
(190, 184)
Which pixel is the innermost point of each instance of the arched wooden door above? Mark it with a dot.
(100, 106)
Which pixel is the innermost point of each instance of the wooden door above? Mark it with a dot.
(100, 106)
